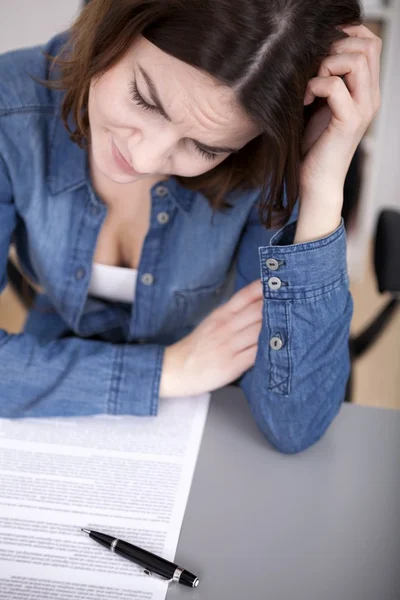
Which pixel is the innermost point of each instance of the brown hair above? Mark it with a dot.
(265, 51)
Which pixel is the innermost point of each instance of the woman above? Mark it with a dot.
(146, 177)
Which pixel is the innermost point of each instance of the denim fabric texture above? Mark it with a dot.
(197, 259)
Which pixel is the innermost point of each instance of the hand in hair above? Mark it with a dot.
(349, 81)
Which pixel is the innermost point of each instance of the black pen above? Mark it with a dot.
(152, 564)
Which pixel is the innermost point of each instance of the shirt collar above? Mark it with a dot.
(183, 197)
(68, 168)
(67, 163)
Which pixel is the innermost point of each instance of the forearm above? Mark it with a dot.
(319, 213)
(295, 389)
(295, 396)
(73, 377)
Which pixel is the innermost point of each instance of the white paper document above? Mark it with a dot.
(126, 476)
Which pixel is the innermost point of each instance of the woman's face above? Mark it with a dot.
(198, 126)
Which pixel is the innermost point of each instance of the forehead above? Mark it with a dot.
(191, 97)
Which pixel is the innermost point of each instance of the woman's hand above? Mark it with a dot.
(334, 132)
(219, 350)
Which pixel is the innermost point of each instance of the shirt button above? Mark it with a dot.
(276, 343)
(274, 283)
(163, 218)
(147, 279)
(80, 273)
(161, 191)
(272, 264)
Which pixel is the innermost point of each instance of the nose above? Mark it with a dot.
(149, 156)
(146, 164)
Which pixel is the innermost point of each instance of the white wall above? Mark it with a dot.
(29, 22)
(381, 181)
(385, 182)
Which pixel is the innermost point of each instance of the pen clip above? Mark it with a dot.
(147, 572)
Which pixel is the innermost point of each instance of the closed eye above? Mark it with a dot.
(137, 98)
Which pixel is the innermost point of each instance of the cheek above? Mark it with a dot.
(207, 165)
(105, 106)
(192, 166)
(110, 105)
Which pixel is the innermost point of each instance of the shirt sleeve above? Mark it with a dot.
(298, 382)
(71, 376)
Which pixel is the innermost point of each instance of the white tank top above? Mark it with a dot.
(117, 284)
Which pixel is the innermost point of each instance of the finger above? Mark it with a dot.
(367, 46)
(357, 75)
(246, 359)
(246, 338)
(250, 293)
(336, 93)
(250, 314)
(360, 31)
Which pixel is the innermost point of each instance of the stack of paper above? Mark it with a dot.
(126, 476)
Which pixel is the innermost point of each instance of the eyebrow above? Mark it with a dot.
(157, 102)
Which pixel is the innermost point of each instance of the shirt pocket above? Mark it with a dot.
(193, 305)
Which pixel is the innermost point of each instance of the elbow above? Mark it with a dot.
(288, 443)
(291, 438)
(295, 434)
(295, 422)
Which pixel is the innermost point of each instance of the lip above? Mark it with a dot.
(121, 162)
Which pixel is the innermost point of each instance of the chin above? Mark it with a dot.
(119, 177)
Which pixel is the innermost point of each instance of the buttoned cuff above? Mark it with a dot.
(303, 270)
(135, 384)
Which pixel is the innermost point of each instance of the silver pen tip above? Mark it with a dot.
(85, 530)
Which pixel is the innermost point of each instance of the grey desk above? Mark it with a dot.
(320, 525)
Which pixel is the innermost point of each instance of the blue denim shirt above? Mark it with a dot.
(49, 209)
